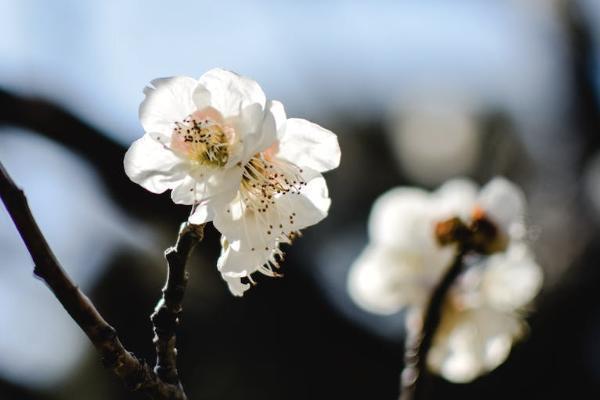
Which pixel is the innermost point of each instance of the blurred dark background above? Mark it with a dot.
(418, 91)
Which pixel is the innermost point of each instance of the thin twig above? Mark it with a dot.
(167, 313)
(135, 373)
(415, 376)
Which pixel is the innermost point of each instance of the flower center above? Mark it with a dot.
(265, 180)
(203, 138)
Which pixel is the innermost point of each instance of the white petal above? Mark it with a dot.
(265, 133)
(239, 264)
(246, 229)
(167, 100)
(153, 166)
(205, 210)
(235, 265)
(471, 343)
(504, 202)
(313, 203)
(214, 189)
(277, 112)
(384, 281)
(230, 92)
(236, 287)
(309, 145)
(185, 191)
(512, 279)
(455, 198)
(254, 130)
(401, 218)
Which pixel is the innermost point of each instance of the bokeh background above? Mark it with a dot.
(418, 91)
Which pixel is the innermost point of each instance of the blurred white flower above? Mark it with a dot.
(403, 263)
(483, 315)
(220, 146)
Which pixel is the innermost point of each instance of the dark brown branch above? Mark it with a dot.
(167, 313)
(98, 149)
(136, 374)
(415, 375)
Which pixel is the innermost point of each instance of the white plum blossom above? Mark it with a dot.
(198, 135)
(483, 315)
(282, 192)
(219, 145)
(403, 262)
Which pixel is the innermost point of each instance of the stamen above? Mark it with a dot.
(265, 186)
(202, 140)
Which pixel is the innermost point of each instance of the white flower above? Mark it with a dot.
(198, 134)
(483, 315)
(281, 192)
(219, 145)
(403, 263)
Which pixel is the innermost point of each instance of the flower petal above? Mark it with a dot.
(470, 343)
(239, 264)
(311, 205)
(235, 265)
(512, 279)
(247, 229)
(265, 134)
(205, 210)
(372, 281)
(185, 191)
(167, 100)
(455, 198)
(235, 285)
(230, 92)
(505, 203)
(401, 218)
(309, 145)
(254, 135)
(153, 166)
(214, 188)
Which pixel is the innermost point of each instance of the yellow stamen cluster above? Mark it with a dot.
(204, 141)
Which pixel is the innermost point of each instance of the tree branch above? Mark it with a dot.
(136, 374)
(415, 374)
(95, 147)
(166, 316)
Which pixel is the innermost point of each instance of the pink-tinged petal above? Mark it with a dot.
(230, 92)
(248, 125)
(263, 136)
(309, 145)
(153, 166)
(167, 100)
